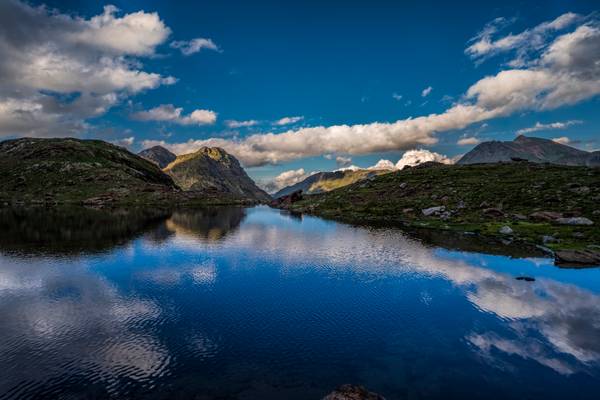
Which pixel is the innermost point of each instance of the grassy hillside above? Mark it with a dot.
(71, 171)
(475, 198)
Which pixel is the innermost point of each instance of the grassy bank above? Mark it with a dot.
(486, 199)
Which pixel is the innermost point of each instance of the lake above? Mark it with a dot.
(255, 303)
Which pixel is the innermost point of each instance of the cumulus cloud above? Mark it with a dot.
(466, 141)
(383, 164)
(415, 157)
(483, 45)
(59, 70)
(426, 91)
(285, 179)
(396, 96)
(562, 140)
(194, 46)
(565, 72)
(342, 161)
(170, 113)
(125, 142)
(288, 120)
(547, 127)
(231, 123)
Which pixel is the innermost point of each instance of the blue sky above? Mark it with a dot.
(330, 63)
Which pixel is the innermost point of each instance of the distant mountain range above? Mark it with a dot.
(531, 149)
(327, 181)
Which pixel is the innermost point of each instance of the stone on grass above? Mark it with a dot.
(506, 230)
(574, 221)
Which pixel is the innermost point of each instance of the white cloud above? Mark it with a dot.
(288, 120)
(466, 141)
(415, 157)
(484, 45)
(59, 70)
(562, 140)
(240, 124)
(342, 161)
(285, 179)
(125, 142)
(547, 127)
(383, 164)
(396, 96)
(567, 72)
(194, 46)
(170, 113)
(426, 91)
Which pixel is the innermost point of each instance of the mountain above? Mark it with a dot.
(158, 155)
(326, 181)
(75, 171)
(531, 149)
(212, 169)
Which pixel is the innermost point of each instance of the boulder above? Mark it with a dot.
(574, 221)
(433, 210)
(352, 392)
(506, 230)
(581, 257)
(545, 216)
(493, 212)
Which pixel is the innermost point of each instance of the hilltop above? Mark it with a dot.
(78, 171)
(557, 207)
(158, 155)
(213, 170)
(532, 149)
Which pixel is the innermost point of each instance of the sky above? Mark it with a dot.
(291, 88)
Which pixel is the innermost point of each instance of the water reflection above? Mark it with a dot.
(238, 303)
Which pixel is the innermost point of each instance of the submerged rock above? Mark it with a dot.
(525, 278)
(352, 392)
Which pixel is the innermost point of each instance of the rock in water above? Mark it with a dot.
(574, 257)
(212, 169)
(352, 392)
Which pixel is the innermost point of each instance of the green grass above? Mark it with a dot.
(466, 190)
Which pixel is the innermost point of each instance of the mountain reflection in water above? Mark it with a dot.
(254, 303)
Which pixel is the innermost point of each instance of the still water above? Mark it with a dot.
(234, 303)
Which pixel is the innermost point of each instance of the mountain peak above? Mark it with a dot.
(158, 155)
(532, 149)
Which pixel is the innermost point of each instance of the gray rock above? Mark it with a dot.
(587, 256)
(402, 185)
(545, 215)
(549, 239)
(433, 210)
(506, 230)
(574, 221)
